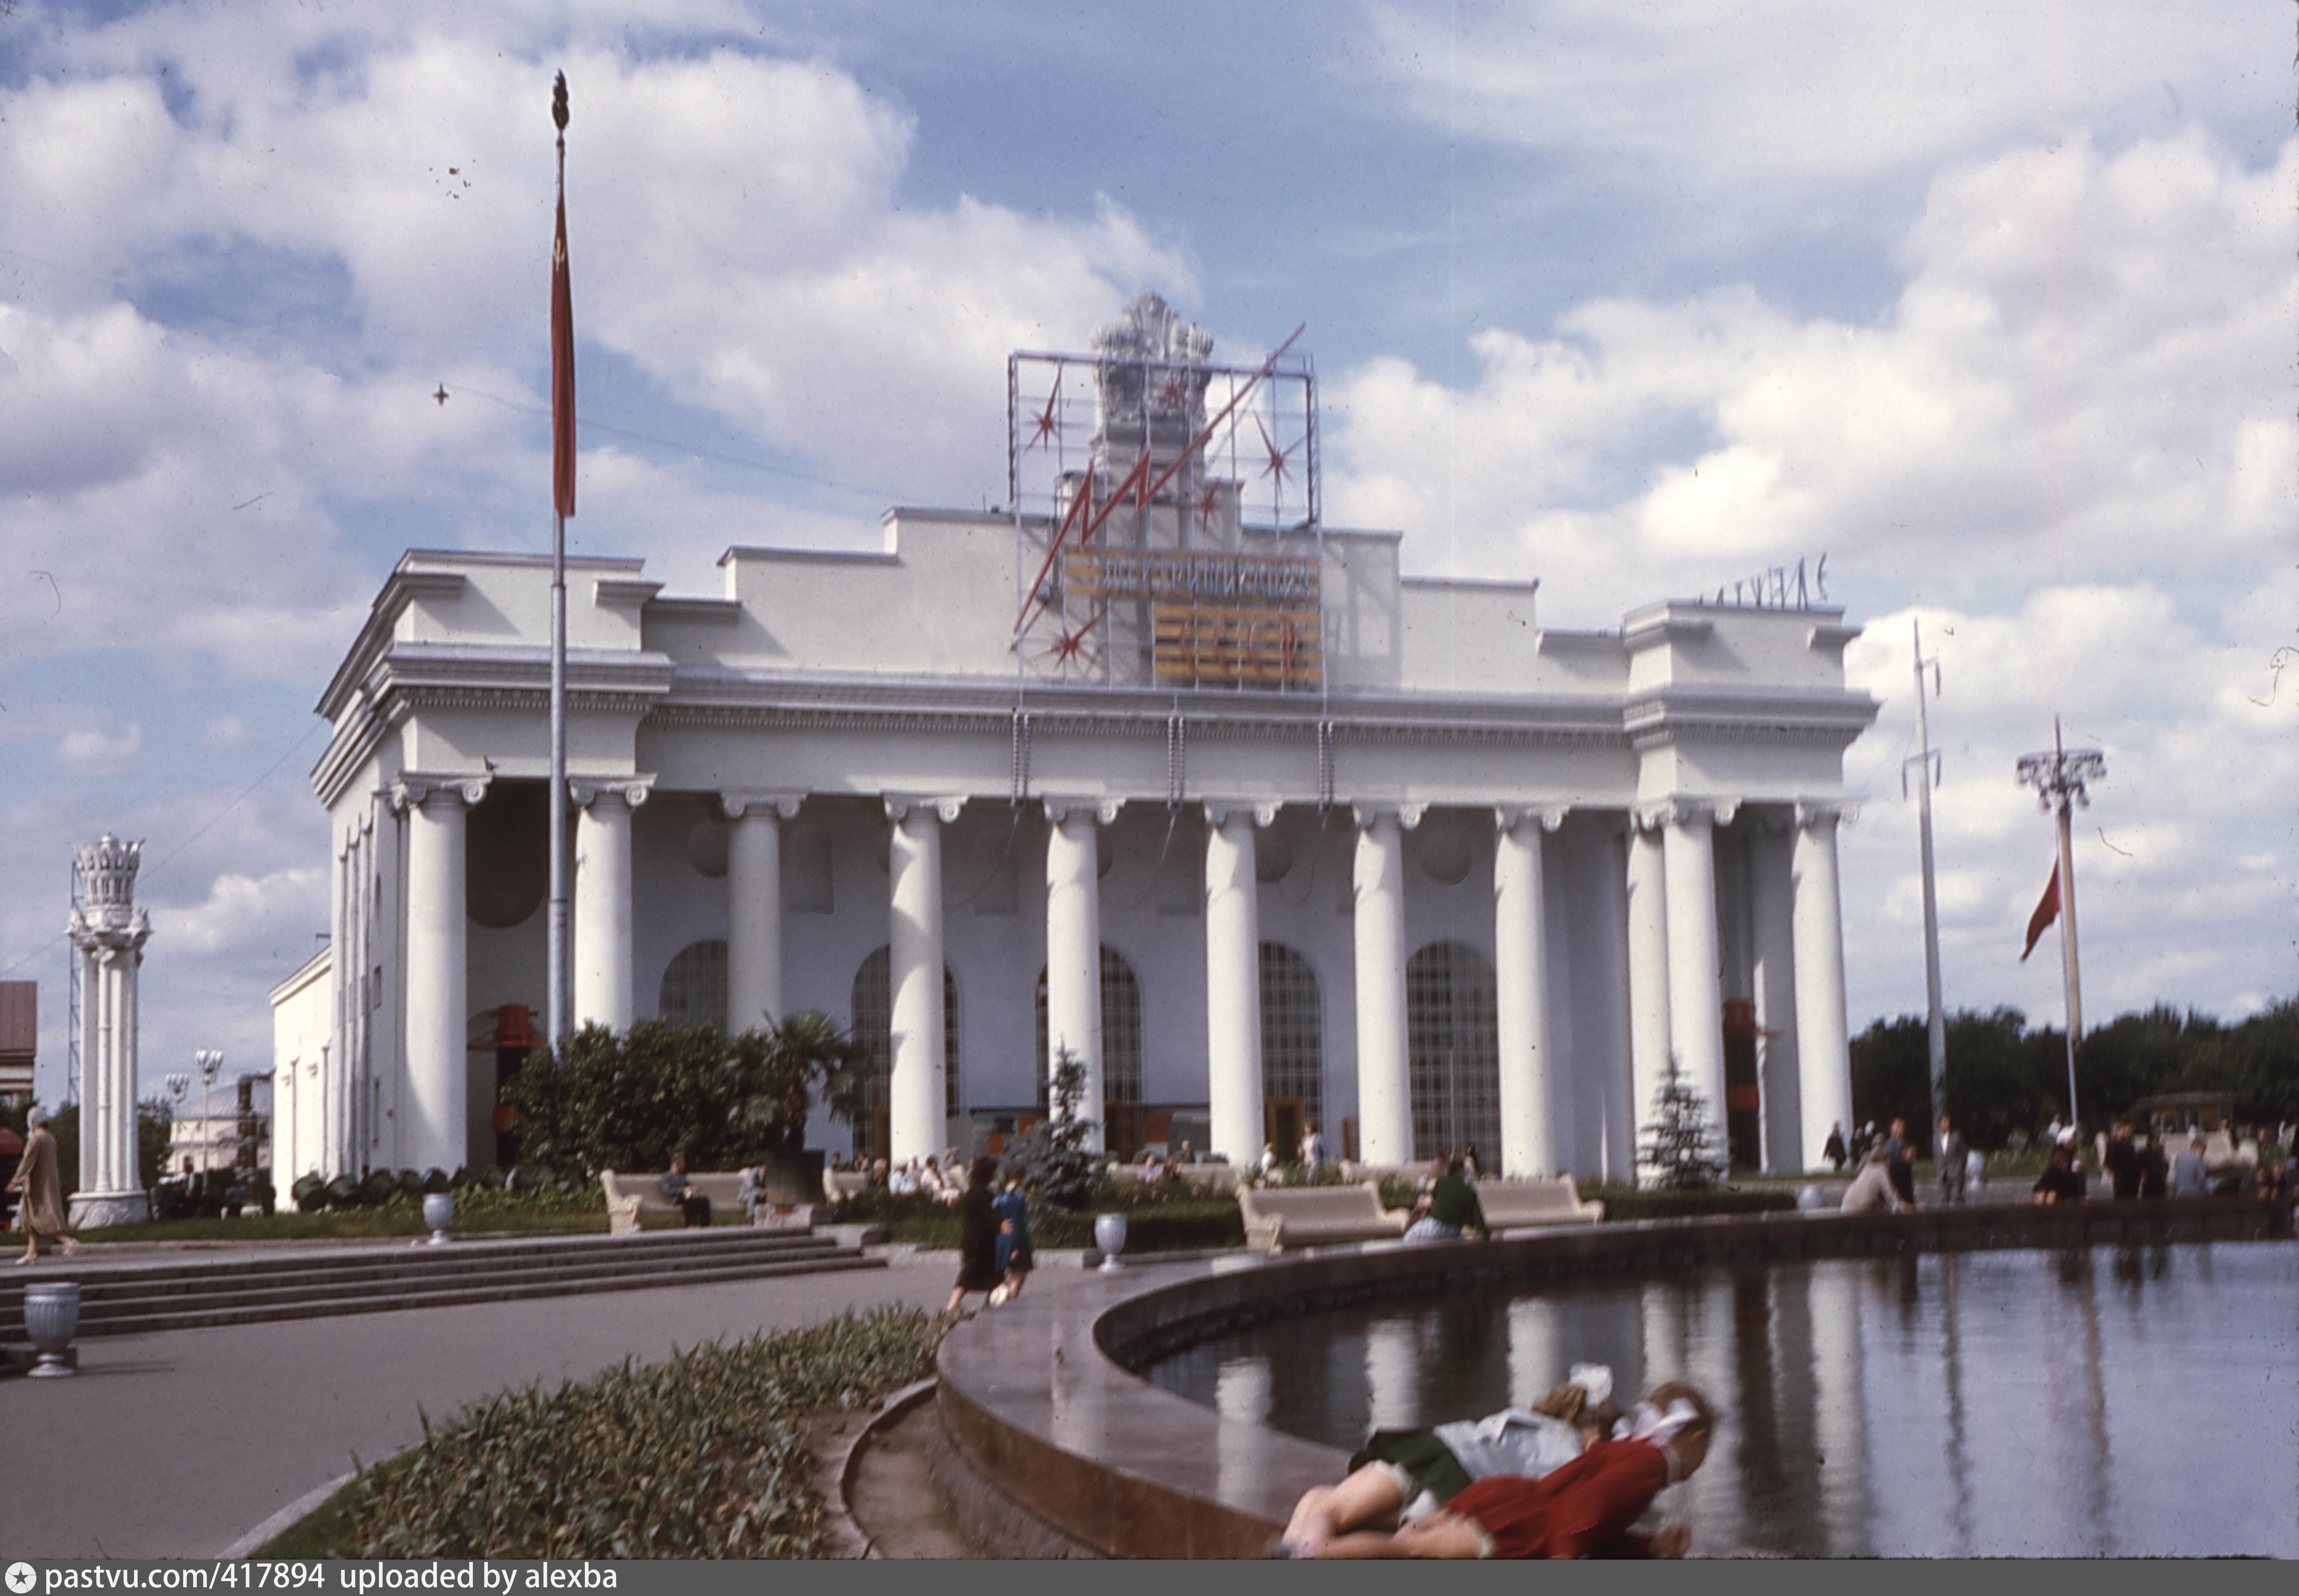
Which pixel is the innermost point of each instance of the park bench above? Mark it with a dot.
(1280, 1216)
(629, 1196)
(1527, 1204)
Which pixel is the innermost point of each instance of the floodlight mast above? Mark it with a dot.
(2059, 778)
(1935, 1014)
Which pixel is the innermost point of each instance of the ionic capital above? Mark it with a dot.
(946, 808)
(414, 790)
(1508, 817)
(1813, 814)
(741, 802)
(1406, 815)
(1103, 811)
(1220, 811)
(587, 790)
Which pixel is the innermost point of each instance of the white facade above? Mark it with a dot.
(1471, 886)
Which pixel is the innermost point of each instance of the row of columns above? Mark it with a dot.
(435, 1120)
(1675, 995)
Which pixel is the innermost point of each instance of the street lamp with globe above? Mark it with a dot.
(210, 1060)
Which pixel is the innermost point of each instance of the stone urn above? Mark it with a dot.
(1109, 1235)
(51, 1319)
(438, 1208)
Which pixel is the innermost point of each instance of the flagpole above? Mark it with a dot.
(1935, 1012)
(556, 1025)
(2059, 778)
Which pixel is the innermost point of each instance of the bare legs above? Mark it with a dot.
(1369, 1499)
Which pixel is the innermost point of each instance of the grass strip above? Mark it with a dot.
(704, 1455)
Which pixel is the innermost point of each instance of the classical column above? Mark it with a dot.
(1234, 979)
(603, 897)
(1695, 999)
(1772, 908)
(1073, 947)
(1649, 1035)
(917, 1119)
(434, 1110)
(1384, 1093)
(754, 905)
(108, 933)
(1823, 1045)
(1531, 1085)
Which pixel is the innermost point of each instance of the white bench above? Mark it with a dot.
(1526, 1204)
(628, 1196)
(1280, 1216)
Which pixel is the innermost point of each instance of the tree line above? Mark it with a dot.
(2005, 1075)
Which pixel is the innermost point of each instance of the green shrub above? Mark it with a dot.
(702, 1455)
(1157, 1220)
(630, 1101)
(1625, 1203)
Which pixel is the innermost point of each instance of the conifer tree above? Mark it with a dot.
(1681, 1142)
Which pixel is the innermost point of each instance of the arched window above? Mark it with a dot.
(873, 1011)
(1292, 1035)
(1120, 1111)
(1453, 1043)
(695, 985)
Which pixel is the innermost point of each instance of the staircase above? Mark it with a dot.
(189, 1290)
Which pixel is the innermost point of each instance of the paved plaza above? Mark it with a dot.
(178, 1444)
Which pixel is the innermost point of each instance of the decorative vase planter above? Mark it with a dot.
(1109, 1235)
(438, 1208)
(51, 1319)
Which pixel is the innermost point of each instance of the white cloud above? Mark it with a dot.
(1785, 112)
(95, 751)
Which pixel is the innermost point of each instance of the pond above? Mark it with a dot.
(2111, 1402)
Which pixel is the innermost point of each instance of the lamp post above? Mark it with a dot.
(210, 1060)
(2059, 778)
(178, 1083)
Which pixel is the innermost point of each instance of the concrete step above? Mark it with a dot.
(124, 1296)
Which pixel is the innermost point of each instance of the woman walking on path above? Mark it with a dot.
(40, 1179)
(977, 1236)
(1013, 1260)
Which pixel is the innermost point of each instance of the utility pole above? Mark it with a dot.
(2059, 778)
(1935, 1016)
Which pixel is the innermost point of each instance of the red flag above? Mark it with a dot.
(2047, 909)
(562, 371)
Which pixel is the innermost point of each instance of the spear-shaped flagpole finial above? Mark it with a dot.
(559, 101)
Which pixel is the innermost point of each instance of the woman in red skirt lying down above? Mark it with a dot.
(1584, 1509)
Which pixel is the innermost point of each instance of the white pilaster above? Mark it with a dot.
(1234, 979)
(602, 898)
(754, 905)
(1772, 908)
(1694, 1001)
(1823, 1046)
(435, 1108)
(1649, 1035)
(1384, 1095)
(914, 953)
(1530, 1081)
(1073, 947)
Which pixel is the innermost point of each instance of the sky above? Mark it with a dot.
(1993, 305)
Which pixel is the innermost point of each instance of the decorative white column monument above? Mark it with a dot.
(109, 931)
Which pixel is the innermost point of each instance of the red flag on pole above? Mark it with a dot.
(2047, 909)
(562, 371)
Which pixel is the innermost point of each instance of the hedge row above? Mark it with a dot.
(1163, 1227)
(703, 1456)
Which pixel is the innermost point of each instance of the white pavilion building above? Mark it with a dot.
(1144, 767)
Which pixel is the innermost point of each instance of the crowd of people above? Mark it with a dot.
(2135, 1164)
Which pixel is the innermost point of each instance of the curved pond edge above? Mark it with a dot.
(1039, 1399)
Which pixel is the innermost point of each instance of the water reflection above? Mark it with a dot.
(2116, 1401)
